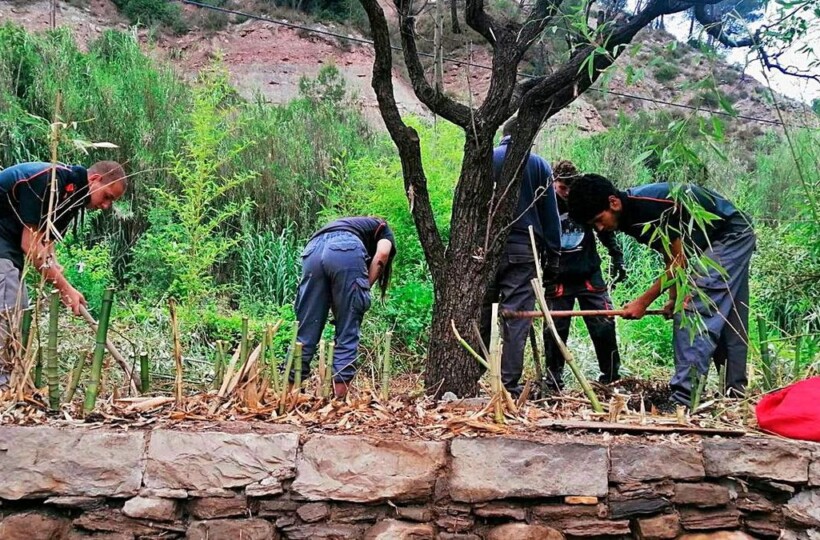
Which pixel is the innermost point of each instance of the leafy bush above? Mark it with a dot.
(666, 72)
(153, 12)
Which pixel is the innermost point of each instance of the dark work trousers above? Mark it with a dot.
(512, 290)
(334, 276)
(719, 326)
(590, 294)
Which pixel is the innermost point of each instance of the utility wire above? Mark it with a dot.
(466, 63)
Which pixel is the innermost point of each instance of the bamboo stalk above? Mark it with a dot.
(273, 366)
(568, 358)
(288, 364)
(323, 374)
(297, 378)
(468, 348)
(386, 368)
(766, 360)
(93, 388)
(38, 369)
(798, 342)
(243, 344)
(495, 366)
(177, 352)
(263, 349)
(145, 374)
(698, 383)
(219, 368)
(74, 381)
(327, 389)
(25, 333)
(52, 369)
(133, 378)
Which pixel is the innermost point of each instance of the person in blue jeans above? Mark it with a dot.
(339, 265)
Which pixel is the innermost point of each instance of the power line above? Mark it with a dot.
(466, 63)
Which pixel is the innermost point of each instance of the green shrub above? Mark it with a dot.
(666, 72)
(153, 12)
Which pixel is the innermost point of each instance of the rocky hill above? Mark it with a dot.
(269, 59)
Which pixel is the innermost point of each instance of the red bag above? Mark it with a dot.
(792, 412)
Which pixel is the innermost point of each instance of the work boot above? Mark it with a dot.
(340, 389)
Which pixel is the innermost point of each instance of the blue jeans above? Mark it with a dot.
(334, 276)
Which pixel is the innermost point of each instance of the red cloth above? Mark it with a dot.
(792, 412)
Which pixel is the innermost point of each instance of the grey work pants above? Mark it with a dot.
(721, 334)
(334, 276)
(13, 298)
(511, 288)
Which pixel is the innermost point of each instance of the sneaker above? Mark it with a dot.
(669, 407)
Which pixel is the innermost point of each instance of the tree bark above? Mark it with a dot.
(454, 17)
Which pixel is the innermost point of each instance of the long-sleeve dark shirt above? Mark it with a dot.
(537, 205)
(579, 254)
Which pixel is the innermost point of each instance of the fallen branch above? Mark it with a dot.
(635, 428)
(576, 313)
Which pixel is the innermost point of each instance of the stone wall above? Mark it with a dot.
(97, 483)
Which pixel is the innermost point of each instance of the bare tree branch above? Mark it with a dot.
(436, 101)
(406, 140)
(480, 21)
(715, 27)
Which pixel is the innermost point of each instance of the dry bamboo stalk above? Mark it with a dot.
(288, 365)
(568, 358)
(225, 381)
(150, 403)
(177, 352)
(322, 366)
(495, 365)
(244, 373)
(74, 379)
(386, 368)
(327, 388)
(297, 378)
(52, 368)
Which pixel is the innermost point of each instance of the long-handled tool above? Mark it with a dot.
(132, 376)
(579, 313)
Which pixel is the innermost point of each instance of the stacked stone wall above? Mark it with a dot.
(72, 483)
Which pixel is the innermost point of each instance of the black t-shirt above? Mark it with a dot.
(24, 197)
(579, 253)
(646, 209)
(368, 229)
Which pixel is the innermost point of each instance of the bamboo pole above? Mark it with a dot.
(52, 369)
(219, 368)
(765, 357)
(495, 366)
(263, 350)
(468, 348)
(386, 368)
(74, 380)
(115, 354)
(177, 352)
(297, 378)
(145, 374)
(288, 364)
(573, 313)
(93, 388)
(38, 369)
(568, 358)
(25, 333)
(323, 374)
(327, 389)
(243, 344)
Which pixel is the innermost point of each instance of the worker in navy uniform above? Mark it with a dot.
(661, 216)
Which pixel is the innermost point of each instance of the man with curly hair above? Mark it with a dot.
(579, 278)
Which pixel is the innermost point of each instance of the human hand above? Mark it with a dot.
(73, 300)
(635, 309)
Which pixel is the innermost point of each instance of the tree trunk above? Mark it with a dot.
(454, 17)
(439, 52)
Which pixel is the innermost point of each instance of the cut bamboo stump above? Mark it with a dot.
(115, 354)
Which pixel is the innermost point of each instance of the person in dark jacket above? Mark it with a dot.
(717, 247)
(339, 265)
(31, 220)
(511, 286)
(579, 278)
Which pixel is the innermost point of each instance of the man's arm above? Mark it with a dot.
(41, 255)
(677, 259)
(383, 249)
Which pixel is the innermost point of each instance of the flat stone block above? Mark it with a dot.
(231, 529)
(770, 459)
(498, 468)
(213, 460)
(641, 462)
(658, 528)
(151, 508)
(358, 469)
(393, 529)
(702, 495)
(44, 461)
